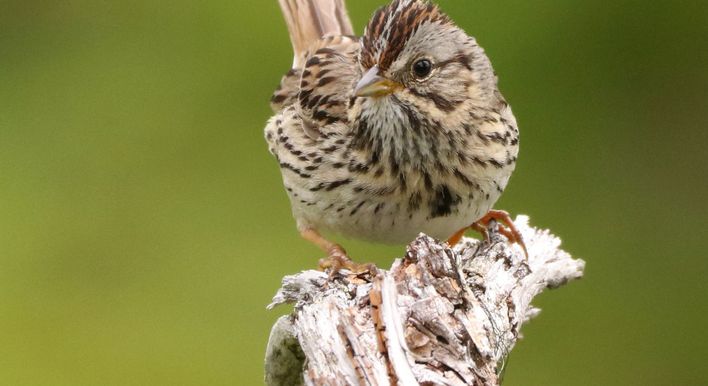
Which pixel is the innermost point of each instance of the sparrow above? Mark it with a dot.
(398, 132)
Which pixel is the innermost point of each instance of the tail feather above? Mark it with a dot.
(310, 20)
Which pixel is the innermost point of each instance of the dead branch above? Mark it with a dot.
(438, 316)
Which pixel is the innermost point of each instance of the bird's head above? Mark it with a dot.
(414, 57)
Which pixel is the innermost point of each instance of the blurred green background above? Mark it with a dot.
(143, 225)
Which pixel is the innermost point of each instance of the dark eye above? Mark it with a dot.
(422, 68)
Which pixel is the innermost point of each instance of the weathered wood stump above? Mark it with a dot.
(438, 316)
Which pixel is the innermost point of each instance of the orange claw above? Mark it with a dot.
(337, 258)
(508, 229)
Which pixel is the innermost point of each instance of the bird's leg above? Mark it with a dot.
(336, 255)
(508, 229)
(454, 239)
(337, 258)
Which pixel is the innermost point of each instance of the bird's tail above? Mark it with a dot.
(310, 20)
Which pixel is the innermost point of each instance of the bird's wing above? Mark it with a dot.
(320, 84)
(320, 91)
(328, 81)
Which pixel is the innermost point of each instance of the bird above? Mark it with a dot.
(400, 131)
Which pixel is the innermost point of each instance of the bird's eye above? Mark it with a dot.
(422, 68)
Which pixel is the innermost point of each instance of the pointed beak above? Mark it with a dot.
(373, 85)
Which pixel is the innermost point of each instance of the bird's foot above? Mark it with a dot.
(337, 260)
(505, 226)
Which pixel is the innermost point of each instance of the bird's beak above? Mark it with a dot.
(373, 85)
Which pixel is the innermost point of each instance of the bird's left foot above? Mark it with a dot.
(336, 262)
(506, 227)
(337, 258)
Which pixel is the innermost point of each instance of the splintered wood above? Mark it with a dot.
(439, 316)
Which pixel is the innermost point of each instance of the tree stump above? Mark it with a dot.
(438, 316)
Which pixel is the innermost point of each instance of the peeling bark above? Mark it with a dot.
(438, 316)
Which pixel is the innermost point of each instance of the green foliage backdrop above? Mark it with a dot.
(143, 227)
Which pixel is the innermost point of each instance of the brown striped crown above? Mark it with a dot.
(391, 27)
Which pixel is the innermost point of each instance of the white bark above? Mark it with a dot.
(439, 316)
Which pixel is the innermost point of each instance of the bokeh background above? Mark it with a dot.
(143, 226)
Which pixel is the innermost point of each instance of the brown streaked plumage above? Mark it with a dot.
(399, 132)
